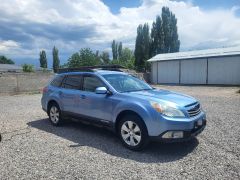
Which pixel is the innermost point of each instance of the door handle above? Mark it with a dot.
(83, 96)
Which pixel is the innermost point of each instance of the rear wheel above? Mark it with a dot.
(55, 114)
(133, 132)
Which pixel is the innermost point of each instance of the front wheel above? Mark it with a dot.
(133, 132)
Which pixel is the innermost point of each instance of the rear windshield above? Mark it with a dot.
(72, 82)
(57, 81)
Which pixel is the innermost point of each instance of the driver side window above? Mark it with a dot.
(90, 83)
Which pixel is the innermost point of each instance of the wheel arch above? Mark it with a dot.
(124, 113)
(52, 101)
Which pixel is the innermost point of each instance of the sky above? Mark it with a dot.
(29, 26)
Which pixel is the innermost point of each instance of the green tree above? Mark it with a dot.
(127, 58)
(119, 48)
(105, 57)
(139, 61)
(164, 35)
(85, 57)
(4, 60)
(28, 68)
(142, 47)
(146, 46)
(115, 49)
(157, 37)
(97, 53)
(56, 61)
(43, 59)
(74, 61)
(166, 20)
(174, 42)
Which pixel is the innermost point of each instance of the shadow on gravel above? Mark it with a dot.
(106, 141)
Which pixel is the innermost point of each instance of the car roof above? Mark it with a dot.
(100, 72)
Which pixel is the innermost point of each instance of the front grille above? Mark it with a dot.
(194, 110)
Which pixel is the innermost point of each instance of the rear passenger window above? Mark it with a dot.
(72, 82)
(57, 81)
(90, 83)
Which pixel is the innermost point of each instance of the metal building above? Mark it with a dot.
(211, 66)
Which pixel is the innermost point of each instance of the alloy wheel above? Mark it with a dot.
(131, 133)
(54, 114)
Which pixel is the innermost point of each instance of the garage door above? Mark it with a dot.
(193, 71)
(168, 72)
(224, 70)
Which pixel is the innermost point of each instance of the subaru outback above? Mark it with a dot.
(127, 105)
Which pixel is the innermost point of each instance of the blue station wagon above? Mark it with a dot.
(127, 105)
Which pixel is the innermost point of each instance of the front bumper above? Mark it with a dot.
(188, 134)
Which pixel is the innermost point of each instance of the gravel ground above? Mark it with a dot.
(33, 149)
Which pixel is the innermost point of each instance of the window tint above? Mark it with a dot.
(72, 82)
(57, 81)
(90, 83)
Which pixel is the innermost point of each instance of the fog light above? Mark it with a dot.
(173, 134)
(200, 122)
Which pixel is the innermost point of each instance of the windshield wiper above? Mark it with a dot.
(137, 90)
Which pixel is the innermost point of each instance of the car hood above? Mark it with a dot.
(164, 95)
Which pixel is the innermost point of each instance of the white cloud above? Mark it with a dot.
(195, 25)
(42, 24)
(8, 45)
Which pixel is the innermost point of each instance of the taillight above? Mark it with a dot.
(45, 90)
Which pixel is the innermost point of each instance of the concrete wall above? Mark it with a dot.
(193, 71)
(14, 83)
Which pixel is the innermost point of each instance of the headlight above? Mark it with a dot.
(167, 110)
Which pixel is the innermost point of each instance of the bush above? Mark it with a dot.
(28, 68)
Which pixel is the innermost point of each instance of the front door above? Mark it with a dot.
(96, 106)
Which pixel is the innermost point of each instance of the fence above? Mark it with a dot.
(14, 83)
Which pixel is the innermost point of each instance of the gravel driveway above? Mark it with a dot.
(32, 148)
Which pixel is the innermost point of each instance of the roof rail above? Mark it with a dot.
(91, 68)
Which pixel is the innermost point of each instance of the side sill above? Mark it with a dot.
(89, 120)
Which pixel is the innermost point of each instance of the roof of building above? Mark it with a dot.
(10, 67)
(197, 54)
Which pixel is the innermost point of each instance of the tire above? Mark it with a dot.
(133, 132)
(54, 113)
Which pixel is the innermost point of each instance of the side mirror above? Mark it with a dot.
(101, 90)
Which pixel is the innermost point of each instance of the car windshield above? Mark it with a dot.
(126, 83)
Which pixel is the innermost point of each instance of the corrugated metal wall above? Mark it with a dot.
(193, 71)
(219, 70)
(168, 72)
(154, 72)
(224, 70)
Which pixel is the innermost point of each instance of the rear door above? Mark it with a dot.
(69, 92)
